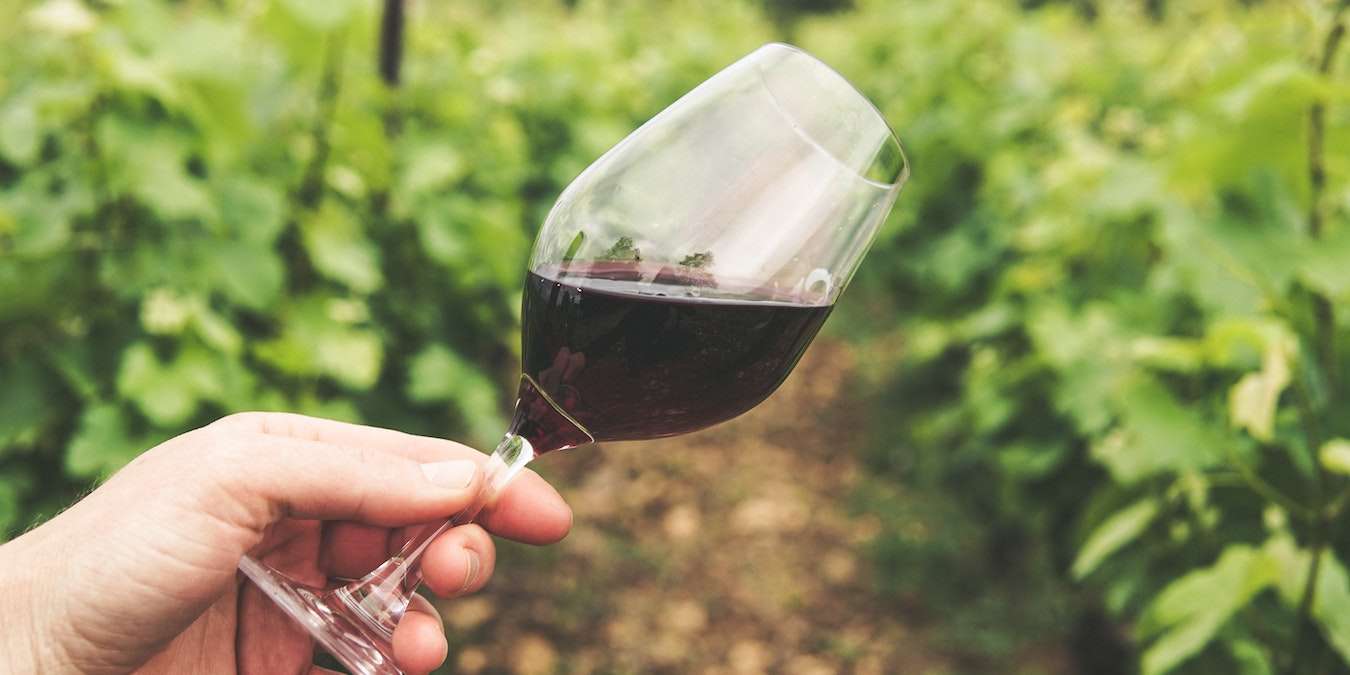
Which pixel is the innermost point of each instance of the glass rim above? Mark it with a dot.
(901, 177)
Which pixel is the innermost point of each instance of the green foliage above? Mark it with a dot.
(1114, 533)
(1114, 341)
(212, 207)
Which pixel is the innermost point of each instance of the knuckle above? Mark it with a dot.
(477, 538)
(222, 451)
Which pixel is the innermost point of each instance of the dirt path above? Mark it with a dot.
(726, 551)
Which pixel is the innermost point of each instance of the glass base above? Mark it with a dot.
(336, 627)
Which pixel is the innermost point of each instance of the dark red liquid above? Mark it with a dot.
(631, 360)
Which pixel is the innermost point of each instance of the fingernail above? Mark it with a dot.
(475, 566)
(455, 474)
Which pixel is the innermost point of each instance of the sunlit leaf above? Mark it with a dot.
(1191, 610)
(322, 14)
(1158, 433)
(438, 374)
(340, 250)
(251, 209)
(161, 393)
(1251, 658)
(431, 167)
(1252, 401)
(215, 330)
(102, 443)
(1332, 607)
(1335, 455)
(249, 275)
(62, 17)
(313, 343)
(350, 357)
(1113, 534)
(19, 132)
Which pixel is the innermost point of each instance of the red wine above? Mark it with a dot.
(628, 359)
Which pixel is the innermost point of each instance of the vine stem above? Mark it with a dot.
(391, 42)
(1325, 336)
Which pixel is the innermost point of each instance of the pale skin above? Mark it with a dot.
(140, 575)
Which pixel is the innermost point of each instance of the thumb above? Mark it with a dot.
(300, 478)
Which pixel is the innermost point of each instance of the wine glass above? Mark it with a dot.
(673, 286)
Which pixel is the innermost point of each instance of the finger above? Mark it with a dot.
(529, 510)
(302, 427)
(312, 479)
(352, 550)
(419, 639)
(458, 562)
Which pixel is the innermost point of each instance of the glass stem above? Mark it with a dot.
(381, 597)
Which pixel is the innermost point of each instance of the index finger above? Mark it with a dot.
(529, 510)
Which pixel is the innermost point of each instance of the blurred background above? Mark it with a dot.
(1082, 410)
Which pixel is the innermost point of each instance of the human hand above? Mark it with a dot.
(140, 575)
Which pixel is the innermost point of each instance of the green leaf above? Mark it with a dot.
(437, 374)
(20, 135)
(1332, 606)
(1114, 533)
(63, 17)
(160, 179)
(73, 362)
(38, 221)
(432, 374)
(24, 407)
(440, 239)
(102, 444)
(317, 340)
(1251, 658)
(215, 330)
(1168, 354)
(322, 14)
(133, 73)
(1291, 561)
(431, 168)
(1158, 433)
(163, 394)
(1322, 265)
(1031, 461)
(1335, 456)
(10, 511)
(340, 250)
(1286, 83)
(1075, 346)
(249, 275)
(351, 357)
(1190, 611)
(1253, 400)
(164, 312)
(251, 209)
